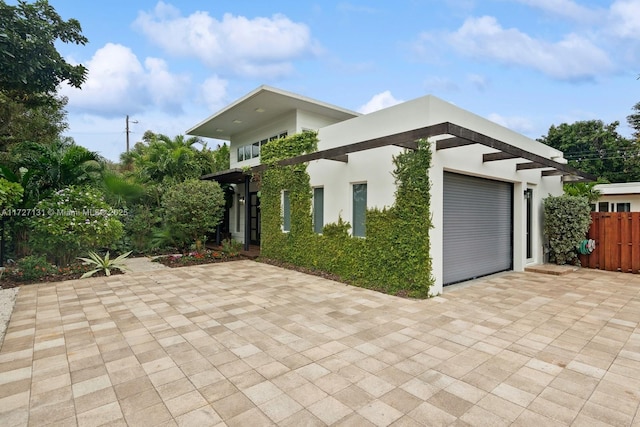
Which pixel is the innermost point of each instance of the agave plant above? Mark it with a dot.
(105, 264)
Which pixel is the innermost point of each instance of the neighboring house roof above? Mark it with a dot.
(259, 107)
(618, 189)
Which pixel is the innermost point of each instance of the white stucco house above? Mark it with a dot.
(620, 197)
(487, 181)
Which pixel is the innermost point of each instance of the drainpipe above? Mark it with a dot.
(247, 212)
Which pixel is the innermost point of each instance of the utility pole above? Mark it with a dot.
(127, 130)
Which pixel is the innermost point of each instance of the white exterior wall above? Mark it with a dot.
(294, 122)
(375, 167)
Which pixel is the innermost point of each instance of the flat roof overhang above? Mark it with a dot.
(457, 136)
(260, 107)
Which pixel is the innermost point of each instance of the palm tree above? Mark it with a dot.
(50, 167)
(166, 160)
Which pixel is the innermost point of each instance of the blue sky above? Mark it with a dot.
(526, 64)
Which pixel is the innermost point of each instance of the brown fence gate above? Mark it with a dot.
(617, 236)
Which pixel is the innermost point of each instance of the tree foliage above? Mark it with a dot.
(32, 68)
(10, 193)
(634, 121)
(72, 221)
(42, 123)
(49, 167)
(161, 159)
(192, 209)
(597, 148)
(583, 189)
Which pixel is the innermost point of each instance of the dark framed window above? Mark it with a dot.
(603, 207)
(359, 210)
(623, 207)
(318, 209)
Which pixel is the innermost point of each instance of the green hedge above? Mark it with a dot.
(566, 223)
(393, 258)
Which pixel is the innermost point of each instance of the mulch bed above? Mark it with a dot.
(186, 261)
(8, 282)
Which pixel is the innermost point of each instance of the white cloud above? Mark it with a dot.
(625, 19)
(479, 82)
(572, 58)
(378, 102)
(214, 92)
(515, 123)
(117, 83)
(260, 46)
(565, 8)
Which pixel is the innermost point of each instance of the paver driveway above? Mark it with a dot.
(250, 344)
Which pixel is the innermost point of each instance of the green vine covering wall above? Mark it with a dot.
(394, 256)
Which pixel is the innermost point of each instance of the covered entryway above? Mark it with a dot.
(478, 227)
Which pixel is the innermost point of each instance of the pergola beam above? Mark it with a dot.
(443, 144)
(344, 158)
(460, 136)
(492, 157)
(487, 141)
(529, 165)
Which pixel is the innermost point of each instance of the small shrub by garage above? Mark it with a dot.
(566, 222)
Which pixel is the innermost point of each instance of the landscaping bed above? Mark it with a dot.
(198, 258)
(13, 277)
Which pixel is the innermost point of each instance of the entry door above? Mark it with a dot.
(254, 218)
(478, 227)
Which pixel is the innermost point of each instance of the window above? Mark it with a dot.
(623, 207)
(603, 207)
(528, 195)
(359, 209)
(251, 151)
(318, 209)
(286, 211)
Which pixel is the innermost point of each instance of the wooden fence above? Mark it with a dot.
(617, 236)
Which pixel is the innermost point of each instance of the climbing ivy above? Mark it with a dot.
(393, 258)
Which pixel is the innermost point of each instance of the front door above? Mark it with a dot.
(254, 218)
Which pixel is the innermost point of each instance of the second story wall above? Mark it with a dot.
(245, 147)
(256, 137)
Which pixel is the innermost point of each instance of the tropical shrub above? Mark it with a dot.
(105, 264)
(566, 222)
(71, 221)
(139, 227)
(192, 209)
(231, 247)
(32, 267)
(10, 193)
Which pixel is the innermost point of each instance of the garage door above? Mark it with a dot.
(478, 227)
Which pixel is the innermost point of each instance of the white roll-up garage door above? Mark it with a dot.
(478, 227)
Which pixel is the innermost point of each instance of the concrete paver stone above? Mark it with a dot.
(244, 343)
